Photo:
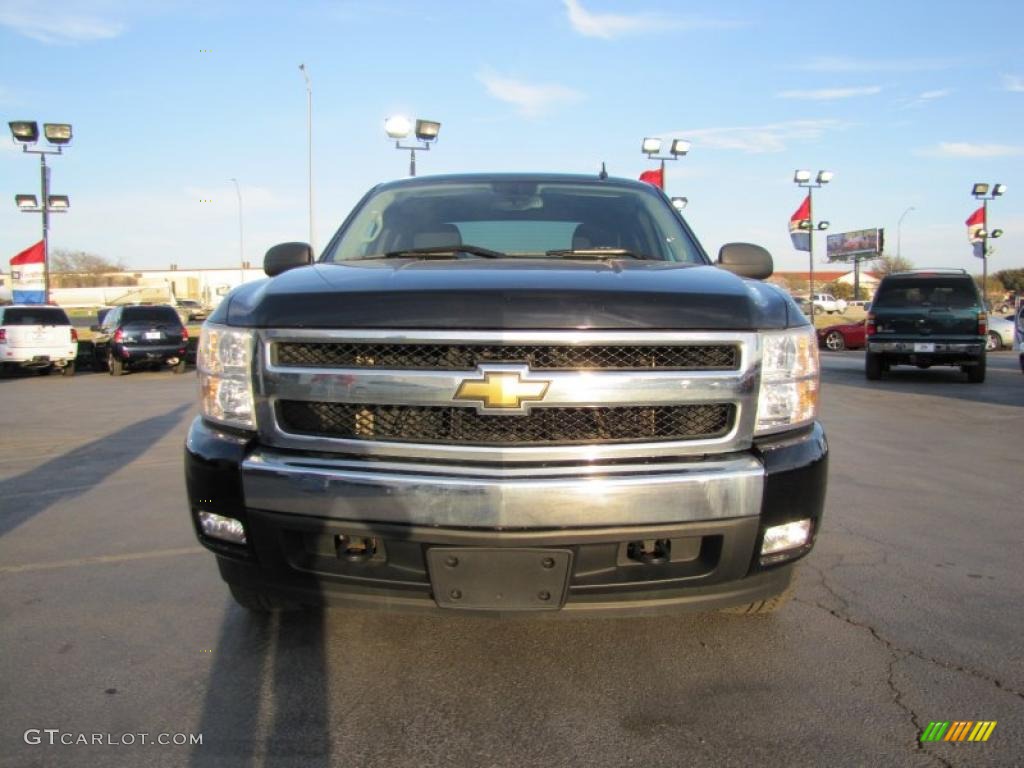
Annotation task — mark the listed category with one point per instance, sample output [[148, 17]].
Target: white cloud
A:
[[831, 94], [1014, 83], [966, 149], [850, 64], [57, 25], [530, 99], [926, 97], [611, 25], [759, 139]]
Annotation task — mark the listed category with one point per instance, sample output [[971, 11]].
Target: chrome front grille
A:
[[538, 357], [543, 426], [607, 395]]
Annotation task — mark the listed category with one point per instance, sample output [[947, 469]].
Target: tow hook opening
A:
[[650, 551], [355, 549]]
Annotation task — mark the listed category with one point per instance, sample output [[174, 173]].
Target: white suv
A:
[[828, 303], [37, 337]]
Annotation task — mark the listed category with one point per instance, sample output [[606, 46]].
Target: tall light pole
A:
[[651, 147], [399, 127], [981, 192], [241, 245], [26, 132], [899, 230], [803, 179], [309, 150]]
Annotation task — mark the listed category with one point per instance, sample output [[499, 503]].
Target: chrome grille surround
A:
[[568, 389]]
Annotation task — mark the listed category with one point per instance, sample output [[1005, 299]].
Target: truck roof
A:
[[468, 178]]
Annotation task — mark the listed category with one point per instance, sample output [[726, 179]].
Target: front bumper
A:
[[297, 508]]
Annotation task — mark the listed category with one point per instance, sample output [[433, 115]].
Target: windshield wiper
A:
[[444, 250], [598, 253]]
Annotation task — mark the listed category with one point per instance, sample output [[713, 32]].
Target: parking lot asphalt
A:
[[114, 621]]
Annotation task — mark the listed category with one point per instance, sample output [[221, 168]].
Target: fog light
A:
[[780, 538], [220, 527]]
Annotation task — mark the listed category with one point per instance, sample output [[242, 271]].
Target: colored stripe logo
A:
[[959, 730]]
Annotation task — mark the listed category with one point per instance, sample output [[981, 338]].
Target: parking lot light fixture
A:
[[651, 146], [57, 133], [802, 178], [398, 127], [981, 192], [25, 131], [680, 147], [679, 203], [427, 130]]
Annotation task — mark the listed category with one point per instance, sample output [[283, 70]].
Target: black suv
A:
[[926, 318], [140, 336]]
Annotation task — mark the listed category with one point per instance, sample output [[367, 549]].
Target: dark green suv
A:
[[926, 318]]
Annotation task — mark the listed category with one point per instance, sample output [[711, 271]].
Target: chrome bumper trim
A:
[[427, 495]]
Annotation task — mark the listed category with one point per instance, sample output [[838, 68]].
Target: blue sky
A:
[[908, 103]]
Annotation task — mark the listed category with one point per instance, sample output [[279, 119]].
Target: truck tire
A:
[[179, 367], [976, 373], [257, 601], [115, 366], [873, 366], [68, 370], [771, 605]]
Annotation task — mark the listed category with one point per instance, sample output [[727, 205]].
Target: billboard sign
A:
[[844, 246]]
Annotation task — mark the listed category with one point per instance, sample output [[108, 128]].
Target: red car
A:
[[839, 337]]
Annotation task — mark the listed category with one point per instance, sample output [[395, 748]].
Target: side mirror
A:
[[286, 256], [746, 260]]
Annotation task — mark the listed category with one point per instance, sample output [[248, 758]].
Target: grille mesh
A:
[[543, 426], [465, 357]]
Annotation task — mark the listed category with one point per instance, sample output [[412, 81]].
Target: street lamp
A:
[[981, 192], [899, 230], [652, 146], [803, 179], [399, 127], [309, 150], [26, 133]]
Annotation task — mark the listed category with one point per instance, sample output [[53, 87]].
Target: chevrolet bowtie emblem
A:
[[501, 390]]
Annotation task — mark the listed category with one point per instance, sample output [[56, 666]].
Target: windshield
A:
[[150, 315], [35, 316], [517, 220], [955, 293]]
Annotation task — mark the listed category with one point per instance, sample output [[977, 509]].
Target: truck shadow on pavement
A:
[[81, 469]]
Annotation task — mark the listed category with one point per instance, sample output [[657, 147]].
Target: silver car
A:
[[1000, 333]]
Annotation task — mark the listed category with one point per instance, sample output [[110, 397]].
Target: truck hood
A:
[[509, 294]]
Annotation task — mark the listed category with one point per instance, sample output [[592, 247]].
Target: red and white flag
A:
[[654, 177], [800, 226], [27, 275], [975, 224]]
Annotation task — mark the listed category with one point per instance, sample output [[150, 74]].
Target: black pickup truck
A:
[[503, 393]]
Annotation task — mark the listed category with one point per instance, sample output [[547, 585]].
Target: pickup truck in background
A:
[[509, 393]]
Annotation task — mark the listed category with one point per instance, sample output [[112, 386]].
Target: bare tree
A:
[[887, 265], [81, 269]]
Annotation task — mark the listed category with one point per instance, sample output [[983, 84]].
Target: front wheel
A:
[[835, 342], [993, 342], [976, 373], [873, 366]]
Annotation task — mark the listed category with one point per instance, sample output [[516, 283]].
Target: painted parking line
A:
[[101, 560]]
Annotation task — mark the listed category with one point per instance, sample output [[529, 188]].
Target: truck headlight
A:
[[225, 381], [789, 380]]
